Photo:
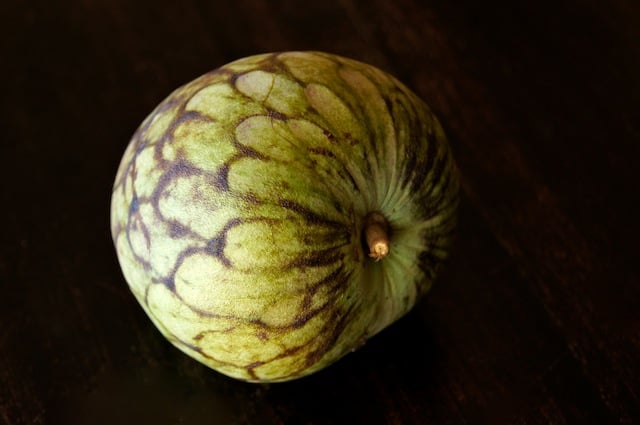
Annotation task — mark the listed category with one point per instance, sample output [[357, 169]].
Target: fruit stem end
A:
[[376, 234]]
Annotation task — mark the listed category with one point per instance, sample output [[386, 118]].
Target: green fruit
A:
[[252, 206]]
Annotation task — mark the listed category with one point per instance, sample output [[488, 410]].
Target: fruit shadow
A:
[[400, 363]]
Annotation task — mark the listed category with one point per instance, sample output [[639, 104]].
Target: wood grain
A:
[[535, 320]]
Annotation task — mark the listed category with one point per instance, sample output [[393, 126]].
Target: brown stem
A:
[[376, 234]]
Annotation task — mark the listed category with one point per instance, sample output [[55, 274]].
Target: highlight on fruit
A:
[[272, 215]]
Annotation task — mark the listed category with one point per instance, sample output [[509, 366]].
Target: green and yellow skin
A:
[[274, 214]]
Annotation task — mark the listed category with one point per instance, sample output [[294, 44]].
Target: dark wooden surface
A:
[[535, 321]]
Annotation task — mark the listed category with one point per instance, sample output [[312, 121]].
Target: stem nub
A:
[[376, 234]]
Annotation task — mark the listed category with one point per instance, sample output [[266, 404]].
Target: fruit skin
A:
[[238, 210]]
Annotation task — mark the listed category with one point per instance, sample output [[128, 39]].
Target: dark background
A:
[[536, 319]]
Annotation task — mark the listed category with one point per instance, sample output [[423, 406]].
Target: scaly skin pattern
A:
[[237, 211]]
